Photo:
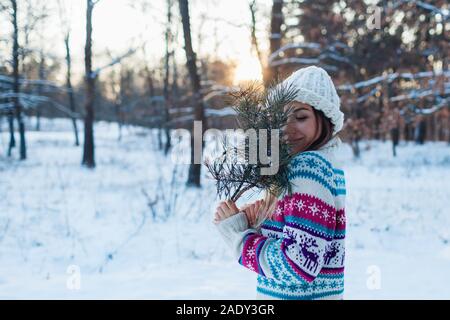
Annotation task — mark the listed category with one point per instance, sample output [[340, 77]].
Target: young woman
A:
[[296, 242]]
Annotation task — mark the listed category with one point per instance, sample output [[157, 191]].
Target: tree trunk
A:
[[42, 77], [420, 131], [69, 87], [88, 150], [395, 135], [276, 21], [252, 7], [195, 168], [355, 147], [16, 85], [153, 105], [167, 100], [12, 140]]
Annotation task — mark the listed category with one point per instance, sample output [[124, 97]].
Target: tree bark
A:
[[276, 21], [16, 85], [194, 169], [167, 100], [153, 105], [39, 89], [88, 150], [12, 140]]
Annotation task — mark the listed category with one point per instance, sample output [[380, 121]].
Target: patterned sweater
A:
[[298, 253]]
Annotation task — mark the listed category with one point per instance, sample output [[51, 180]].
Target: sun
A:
[[248, 69]]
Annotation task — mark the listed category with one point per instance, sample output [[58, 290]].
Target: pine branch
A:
[[260, 113]]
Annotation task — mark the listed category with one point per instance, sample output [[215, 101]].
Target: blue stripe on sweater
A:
[[306, 174], [339, 179], [273, 225], [296, 297], [318, 156], [278, 261]]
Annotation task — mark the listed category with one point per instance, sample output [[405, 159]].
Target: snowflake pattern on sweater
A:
[[300, 251]]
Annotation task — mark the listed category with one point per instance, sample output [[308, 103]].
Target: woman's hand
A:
[[224, 210], [251, 211]]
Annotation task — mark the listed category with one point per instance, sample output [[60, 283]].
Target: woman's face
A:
[[301, 128]]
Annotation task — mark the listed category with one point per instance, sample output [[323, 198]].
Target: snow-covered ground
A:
[[69, 232]]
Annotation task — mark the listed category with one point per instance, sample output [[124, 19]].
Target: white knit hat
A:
[[316, 88]]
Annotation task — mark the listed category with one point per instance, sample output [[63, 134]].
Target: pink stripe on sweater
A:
[[332, 270], [249, 258], [309, 207], [278, 214], [340, 219]]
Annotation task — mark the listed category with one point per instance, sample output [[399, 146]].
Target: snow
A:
[[56, 216], [391, 77]]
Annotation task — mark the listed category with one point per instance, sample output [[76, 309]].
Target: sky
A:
[[119, 25]]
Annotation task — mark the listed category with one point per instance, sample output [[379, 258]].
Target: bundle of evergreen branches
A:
[[257, 108]]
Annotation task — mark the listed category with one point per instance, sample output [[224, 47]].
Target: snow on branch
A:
[[367, 95], [32, 101], [413, 94], [6, 106], [117, 60], [303, 61], [65, 110], [6, 79], [427, 111], [325, 52], [308, 45], [6, 82], [445, 13], [417, 94], [392, 76], [438, 106], [226, 111], [218, 90]]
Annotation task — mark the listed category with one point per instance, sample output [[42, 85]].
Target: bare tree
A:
[[89, 148], [66, 33], [167, 98], [35, 14], [41, 73], [191, 59], [149, 75], [276, 22], [16, 85], [69, 85], [255, 45]]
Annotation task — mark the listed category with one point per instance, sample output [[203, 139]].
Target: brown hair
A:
[[326, 133], [270, 199]]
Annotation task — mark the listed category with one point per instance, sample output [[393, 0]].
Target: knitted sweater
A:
[[299, 252]]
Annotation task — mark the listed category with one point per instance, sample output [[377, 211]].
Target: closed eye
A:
[[301, 118]]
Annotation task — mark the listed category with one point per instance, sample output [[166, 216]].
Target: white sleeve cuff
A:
[[233, 230]]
